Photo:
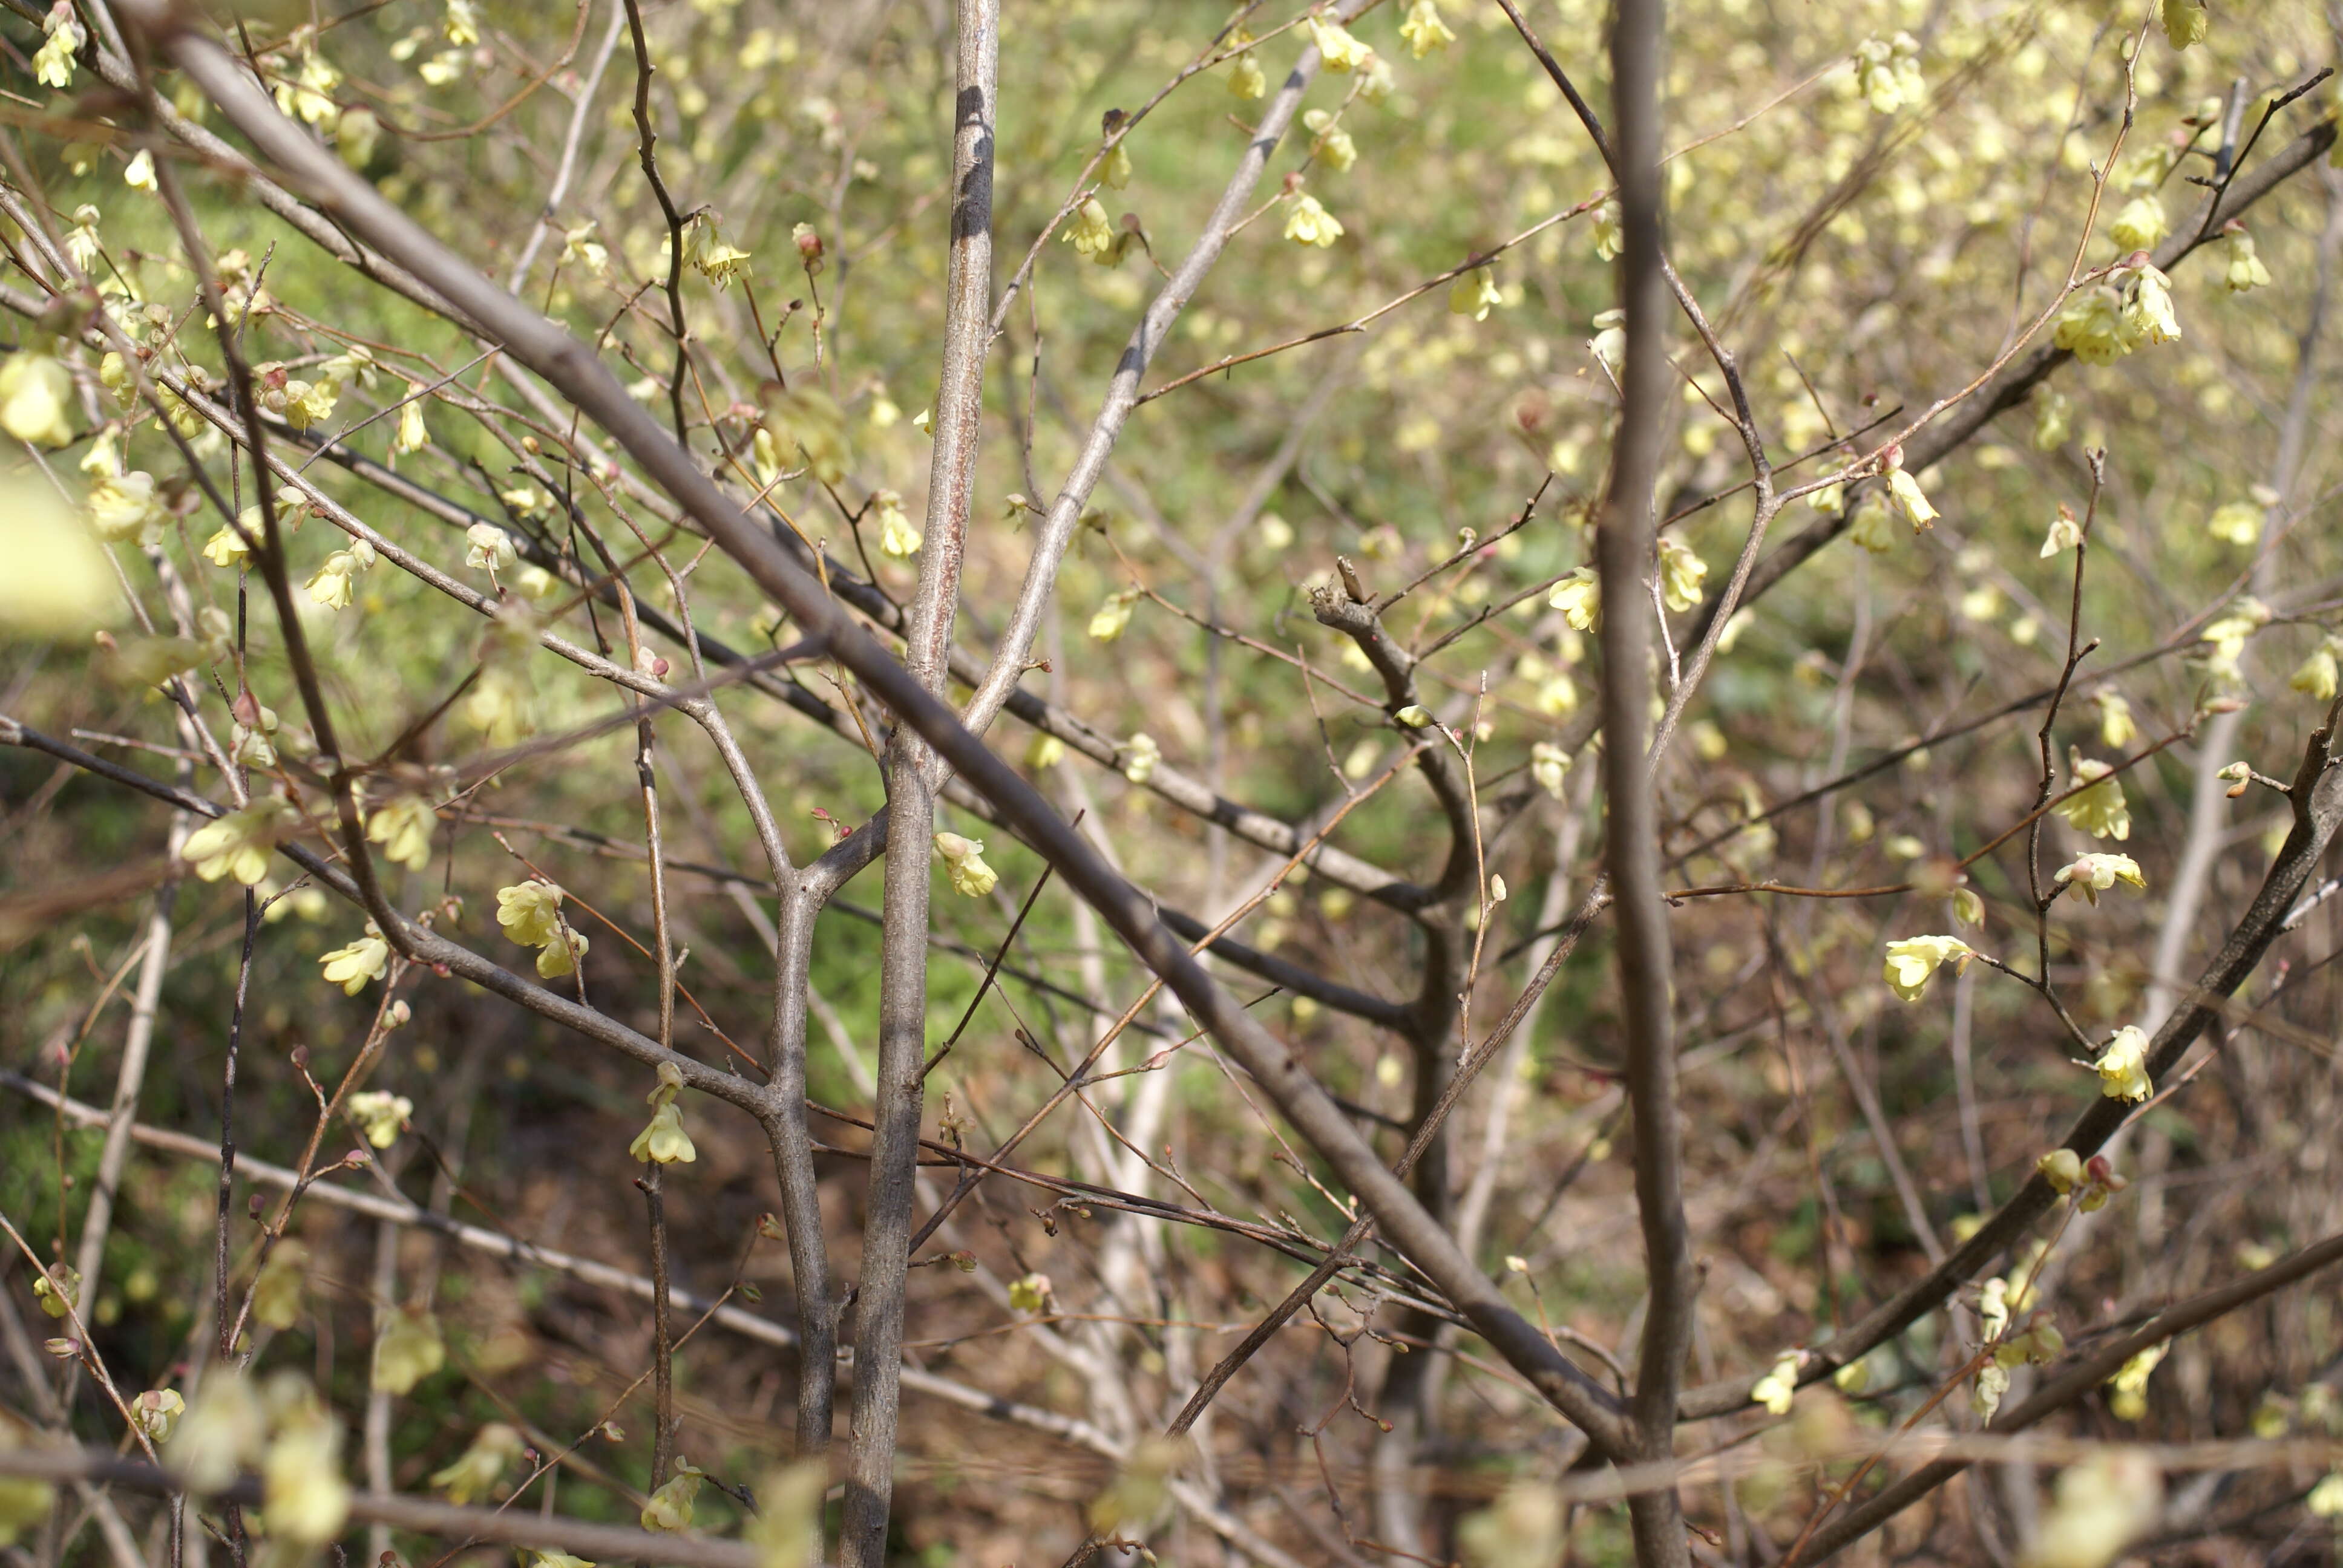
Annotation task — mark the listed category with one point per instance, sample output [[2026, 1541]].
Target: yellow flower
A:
[[2066, 532], [2236, 523], [2063, 1169], [476, 1470], [52, 63], [559, 956], [664, 1140], [1091, 232], [2091, 327], [2244, 269], [1114, 169], [1043, 751], [2148, 309], [2139, 224], [2318, 674], [307, 403], [491, 548], [530, 911], [227, 547], [408, 1351], [2116, 726], [1776, 1390], [2122, 1066], [1912, 961], [1028, 1295], [1610, 232], [2095, 874], [671, 1506], [1548, 764], [1869, 526], [2129, 1401], [237, 844], [35, 392], [2326, 1499], [413, 435], [404, 825], [303, 1495], [1609, 343], [139, 173], [1113, 615], [1476, 294], [2098, 808], [1341, 53], [122, 509], [364, 959], [1680, 575], [2185, 22], [1423, 29], [157, 1411], [380, 1115], [1143, 755], [720, 263], [1307, 222], [57, 1289], [964, 857], [333, 584], [1887, 73], [1246, 79], [898, 535], [224, 1431], [1579, 598], [1330, 145], [276, 1294], [1415, 715], [2052, 422], [1904, 491]]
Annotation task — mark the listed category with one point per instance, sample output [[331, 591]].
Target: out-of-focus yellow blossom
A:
[[52, 63], [2236, 523], [2122, 1065], [2063, 1169], [364, 959], [1476, 294], [1871, 526], [1340, 52], [2141, 225], [276, 1294], [1113, 616], [2225, 636], [2129, 1401], [2097, 807], [224, 1431], [403, 825], [1887, 73], [2116, 725], [2093, 874], [56, 1290], [1330, 144], [1778, 1387], [2102, 1505], [122, 509], [1308, 222], [2053, 420], [2185, 22], [1610, 232], [35, 395], [2242, 269], [898, 535], [1913, 961], [2091, 326], [1141, 754], [808, 431], [407, 1350], [237, 844], [1423, 29], [1247, 80], [380, 1115], [1609, 343], [476, 1470], [1682, 573], [1548, 765], [303, 1495], [964, 858], [1579, 598], [1091, 232]]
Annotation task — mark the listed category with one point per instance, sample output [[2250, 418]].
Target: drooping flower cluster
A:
[[2122, 1065], [664, 1141], [1913, 961], [2093, 874], [964, 858], [531, 913]]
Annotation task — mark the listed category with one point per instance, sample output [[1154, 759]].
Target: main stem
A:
[[911, 808]]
